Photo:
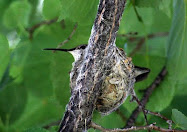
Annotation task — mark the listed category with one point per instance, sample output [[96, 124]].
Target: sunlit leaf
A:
[[82, 11], [176, 47], [179, 118], [55, 5], [36, 12], [17, 14], [166, 7]]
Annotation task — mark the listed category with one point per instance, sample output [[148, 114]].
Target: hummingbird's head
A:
[[76, 52]]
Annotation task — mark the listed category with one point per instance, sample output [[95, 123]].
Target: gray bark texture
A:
[[98, 61]]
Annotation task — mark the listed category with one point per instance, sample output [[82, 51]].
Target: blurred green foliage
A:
[[34, 84]]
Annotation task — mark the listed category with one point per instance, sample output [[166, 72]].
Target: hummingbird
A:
[[114, 89], [77, 53]]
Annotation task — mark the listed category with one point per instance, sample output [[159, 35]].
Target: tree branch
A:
[[69, 37], [141, 40], [162, 117], [32, 29], [145, 98], [134, 128], [95, 64]]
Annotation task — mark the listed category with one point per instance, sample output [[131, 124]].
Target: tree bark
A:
[[94, 67]]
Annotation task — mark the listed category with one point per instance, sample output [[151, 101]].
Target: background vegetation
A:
[[34, 84]]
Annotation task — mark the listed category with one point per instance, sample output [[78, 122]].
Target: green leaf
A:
[[17, 14], [150, 17], [38, 113], [130, 22], [55, 5], [36, 13], [110, 121], [4, 54], [179, 118], [18, 59], [53, 128], [162, 96], [178, 103], [176, 46], [36, 69], [3, 5], [36, 129], [147, 3], [60, 68], [160, 26], [166, 7], [13, 98], [82, 11], [181, 89]]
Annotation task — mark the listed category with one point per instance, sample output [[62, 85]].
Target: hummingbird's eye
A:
[[82, 46]]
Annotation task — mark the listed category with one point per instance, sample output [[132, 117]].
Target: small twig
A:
[[161, 116], [130, 36], [141, 40], [33, 28], [138, 46], [134, 128], [146, 96], [141, 107], [69, 37]]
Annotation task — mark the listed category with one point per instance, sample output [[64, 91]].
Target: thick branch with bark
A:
[[93, 67]]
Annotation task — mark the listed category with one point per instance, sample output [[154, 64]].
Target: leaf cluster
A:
[[34, 84]]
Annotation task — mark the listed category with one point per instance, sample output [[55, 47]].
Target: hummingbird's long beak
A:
[[76, 53], [65, 50]]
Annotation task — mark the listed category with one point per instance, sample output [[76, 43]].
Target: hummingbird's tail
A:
[[141, 73]]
